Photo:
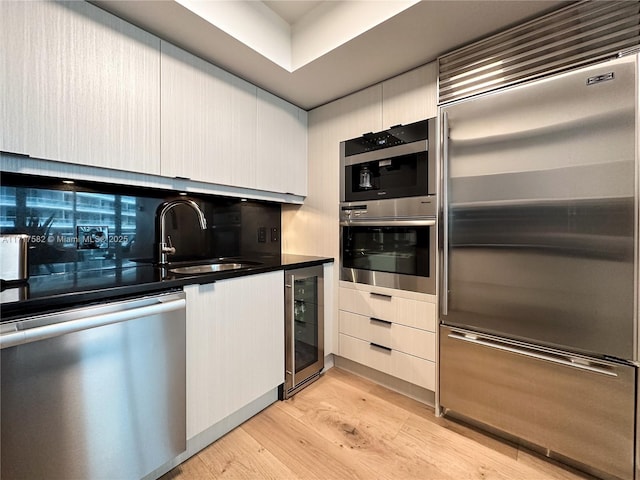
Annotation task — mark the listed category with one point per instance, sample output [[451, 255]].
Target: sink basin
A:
[[208, 268]]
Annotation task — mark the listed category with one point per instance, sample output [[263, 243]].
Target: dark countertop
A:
[[63, 290]]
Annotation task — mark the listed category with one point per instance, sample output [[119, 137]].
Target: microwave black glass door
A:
[[305, 322], [400, 250], [402, 176]]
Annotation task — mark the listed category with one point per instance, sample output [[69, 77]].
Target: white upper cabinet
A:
[[79, 85], [220, 129], [358, 113], [281, 146], [410, 97], [208, 121]]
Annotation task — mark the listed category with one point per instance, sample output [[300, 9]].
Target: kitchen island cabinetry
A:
[[235, 346], [79, 85], [208, 121], [391, 331]]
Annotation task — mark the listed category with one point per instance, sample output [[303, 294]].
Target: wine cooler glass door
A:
[[304, 328]]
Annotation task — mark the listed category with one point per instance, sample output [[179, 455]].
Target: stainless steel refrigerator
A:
[[539, 277]]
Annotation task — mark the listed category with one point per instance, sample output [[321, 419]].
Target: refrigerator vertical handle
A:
[[445, 215]]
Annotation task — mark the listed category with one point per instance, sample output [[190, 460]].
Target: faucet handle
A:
[[169, 249]]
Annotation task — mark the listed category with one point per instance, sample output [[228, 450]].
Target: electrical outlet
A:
[[262, 234], [275, 235]]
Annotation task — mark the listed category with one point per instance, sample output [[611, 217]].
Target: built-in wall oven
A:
[[388, 208], [390, 243]]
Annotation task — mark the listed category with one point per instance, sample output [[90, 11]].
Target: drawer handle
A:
[[382, 347], [386, 322], [566, 361], [382, 295]]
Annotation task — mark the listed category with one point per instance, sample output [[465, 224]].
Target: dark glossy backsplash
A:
[[87, 225]]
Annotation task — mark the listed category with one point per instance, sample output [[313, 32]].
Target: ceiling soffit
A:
[[325, 71], [325, 27]]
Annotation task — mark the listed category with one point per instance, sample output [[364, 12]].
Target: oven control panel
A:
[[398, 208]]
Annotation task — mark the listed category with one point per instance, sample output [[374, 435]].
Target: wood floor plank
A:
[[346, 427], [550, 468], [306, 453], [191, 469], [483, 438], [335, 407], [425, 411], [463, 457], [351, 379], [239, 456], [402, 401]]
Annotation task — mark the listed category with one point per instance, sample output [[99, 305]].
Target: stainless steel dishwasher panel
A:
[[580, 408], [94, 392]]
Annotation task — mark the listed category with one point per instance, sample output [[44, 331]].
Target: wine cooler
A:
[[304, 328]]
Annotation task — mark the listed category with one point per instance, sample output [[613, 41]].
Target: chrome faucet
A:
[[165, 248]]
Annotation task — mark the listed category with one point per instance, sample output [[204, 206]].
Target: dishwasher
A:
[[94, 392]]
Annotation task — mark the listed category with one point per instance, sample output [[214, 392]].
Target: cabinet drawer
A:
[[412, 313], [397, 364], [413, 341]]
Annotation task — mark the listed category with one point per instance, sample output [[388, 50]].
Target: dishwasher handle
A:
[[36, 334]]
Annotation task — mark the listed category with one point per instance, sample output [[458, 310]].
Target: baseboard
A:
[[392, 383]]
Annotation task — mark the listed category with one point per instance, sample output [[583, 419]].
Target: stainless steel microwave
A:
[[394, 163]]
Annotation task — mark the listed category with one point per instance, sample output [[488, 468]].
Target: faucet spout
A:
[[165, 248]]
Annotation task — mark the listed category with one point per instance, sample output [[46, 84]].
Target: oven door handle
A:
[[431, 222]]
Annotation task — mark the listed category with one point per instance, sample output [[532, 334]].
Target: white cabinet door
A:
[[208, 121], [410, 97], [235, 345], [79, 85], [358, 113], [281, 146]]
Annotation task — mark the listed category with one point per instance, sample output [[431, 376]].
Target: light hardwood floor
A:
[[346, 427]]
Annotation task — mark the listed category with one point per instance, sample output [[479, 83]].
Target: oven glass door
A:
[[395, 256]]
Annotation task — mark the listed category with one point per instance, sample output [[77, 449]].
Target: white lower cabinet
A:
[[235, 345], [412, 369], [389, 330]]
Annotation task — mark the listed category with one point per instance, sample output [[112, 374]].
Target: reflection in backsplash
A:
[[87, 225]]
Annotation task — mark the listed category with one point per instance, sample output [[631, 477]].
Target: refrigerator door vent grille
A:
[[581, 33]]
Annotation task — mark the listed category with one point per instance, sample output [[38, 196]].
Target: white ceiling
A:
[[313, 52], [292, 10]]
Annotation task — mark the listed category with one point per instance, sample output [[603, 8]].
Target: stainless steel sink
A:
[[209, 268]]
